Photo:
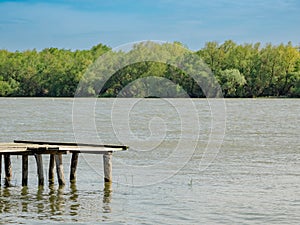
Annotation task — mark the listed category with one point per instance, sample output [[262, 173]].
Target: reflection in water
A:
[[52, 198], [56, 200], [53, 202], [60, 200], [5, 203], [39, 198], [107, 196], [254, 179], [74, 206], [25, 199]]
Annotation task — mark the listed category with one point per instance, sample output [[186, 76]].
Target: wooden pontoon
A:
[[55, 150]]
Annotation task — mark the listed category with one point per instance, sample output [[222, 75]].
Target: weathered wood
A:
[[51, 169], [8, 170], [107, 164], [60, 169], [29, 149], [35, 147], [70, 144], [0, 168], [24, 170], [55, 149], [74, 162], [40, 170]]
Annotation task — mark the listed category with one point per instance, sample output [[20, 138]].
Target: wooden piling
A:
[[74, 162], [24, 170], [0, 168], [60, 169], [8, 170], [51, 169], [39, 163], [107, 164]]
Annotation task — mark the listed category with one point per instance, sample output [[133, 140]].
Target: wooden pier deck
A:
[[55, 150]]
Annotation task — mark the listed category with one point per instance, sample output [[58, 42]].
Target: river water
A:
[[235, 161]]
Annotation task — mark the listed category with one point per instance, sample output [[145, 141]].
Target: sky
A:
[[81, 24]]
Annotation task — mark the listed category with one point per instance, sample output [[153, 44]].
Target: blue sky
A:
[[80, 24]]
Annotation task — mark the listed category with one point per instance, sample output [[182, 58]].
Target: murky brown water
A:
[[254, 178]]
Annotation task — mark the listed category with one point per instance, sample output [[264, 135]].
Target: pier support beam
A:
[[24, 170], [74, 162], [8, 170], [107, 164], [39, 163], [60, 169], [51, 169]]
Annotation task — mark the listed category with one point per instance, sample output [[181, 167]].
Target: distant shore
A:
[[241, 71]]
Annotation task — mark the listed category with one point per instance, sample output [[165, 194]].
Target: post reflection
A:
[[25, 199], [53, 201], [56, 199], [74, 205], [39, 198], [5, 203], [52, 197], [107, 196]]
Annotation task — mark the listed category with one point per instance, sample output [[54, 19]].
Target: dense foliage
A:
[[248, 70]]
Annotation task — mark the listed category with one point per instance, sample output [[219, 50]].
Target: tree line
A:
[[241, 70]]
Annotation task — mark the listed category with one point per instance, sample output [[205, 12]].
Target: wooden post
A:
[[24, 170], [51, 169], [107, 164], [8, 170], [74, 162], [60, 169], [0, 168], [39, 163]]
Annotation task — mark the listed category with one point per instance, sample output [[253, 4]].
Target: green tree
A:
[[246, 70], [232, 80]]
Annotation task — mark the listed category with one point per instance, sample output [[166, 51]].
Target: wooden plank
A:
[[24, 170], [40, 170], [74, 162], [32, 152], [19, 149], [51, 169], [8, 170], [30, 148], [48, 151], [12, 144], [11, 148], [70, 144], [60, 169], [42, 148], [91, 150]]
